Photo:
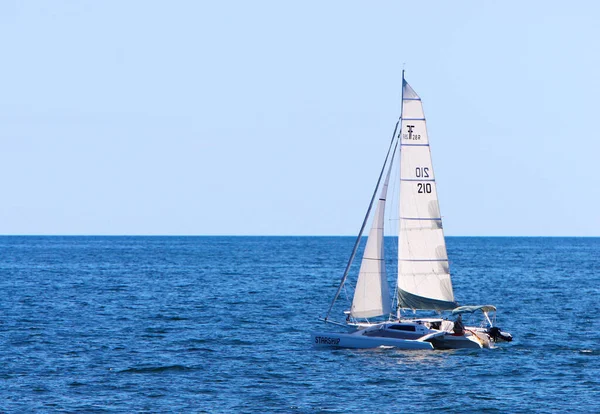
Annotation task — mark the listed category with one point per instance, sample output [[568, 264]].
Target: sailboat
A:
[[423, 282]]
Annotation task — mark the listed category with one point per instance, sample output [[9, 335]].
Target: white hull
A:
[[404, 335], [357, 340]]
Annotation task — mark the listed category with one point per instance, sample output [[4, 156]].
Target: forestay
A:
[[423, 272]]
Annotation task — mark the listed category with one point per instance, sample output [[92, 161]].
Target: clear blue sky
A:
[[273, 118]]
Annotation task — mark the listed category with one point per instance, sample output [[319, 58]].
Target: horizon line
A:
[[270, 235]]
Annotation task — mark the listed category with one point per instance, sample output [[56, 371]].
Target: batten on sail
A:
[[423, 273], [372, 293]]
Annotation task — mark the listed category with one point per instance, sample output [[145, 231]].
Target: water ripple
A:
[[221, 324]]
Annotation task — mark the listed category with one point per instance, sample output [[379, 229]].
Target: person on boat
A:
[[459, 327]]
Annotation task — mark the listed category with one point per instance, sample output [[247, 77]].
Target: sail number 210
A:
[[423, 188], [422, 172]]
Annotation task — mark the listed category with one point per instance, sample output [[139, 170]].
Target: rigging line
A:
[[362, 228], [346, 293]]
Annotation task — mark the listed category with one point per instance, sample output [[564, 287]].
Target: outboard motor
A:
[[497, 335]]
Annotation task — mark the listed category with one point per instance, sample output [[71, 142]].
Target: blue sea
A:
[[222, 324]]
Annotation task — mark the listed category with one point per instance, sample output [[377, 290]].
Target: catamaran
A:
[[423, 281]]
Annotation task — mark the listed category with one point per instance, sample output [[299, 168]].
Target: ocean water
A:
[[221, 324]]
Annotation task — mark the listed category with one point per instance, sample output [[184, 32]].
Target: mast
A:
[[364, 223], [399, 142]]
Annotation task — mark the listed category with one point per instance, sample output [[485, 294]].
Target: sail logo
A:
[[411, 136]]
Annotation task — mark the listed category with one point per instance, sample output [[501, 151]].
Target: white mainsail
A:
[[423, 271], [372, 294]]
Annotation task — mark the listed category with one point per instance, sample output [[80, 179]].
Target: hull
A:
[[359, 341], [404, 335], [449, 341]]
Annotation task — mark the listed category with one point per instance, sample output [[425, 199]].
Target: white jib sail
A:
[[372, 293], [423, 272]]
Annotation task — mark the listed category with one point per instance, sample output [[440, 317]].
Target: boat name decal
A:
[[326, 340]]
